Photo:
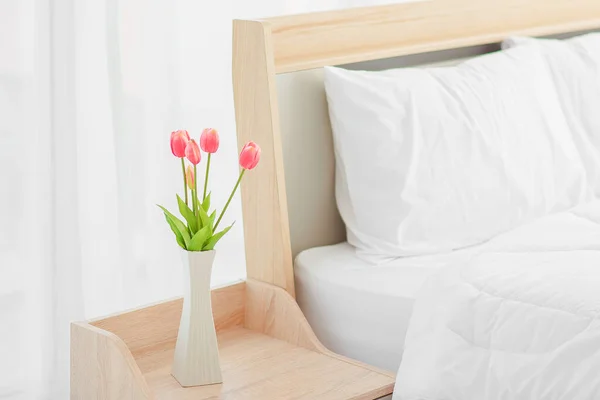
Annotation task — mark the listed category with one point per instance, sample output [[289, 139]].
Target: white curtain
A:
[[89, 92]]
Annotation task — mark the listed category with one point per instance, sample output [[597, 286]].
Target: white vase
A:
[[196, 360]]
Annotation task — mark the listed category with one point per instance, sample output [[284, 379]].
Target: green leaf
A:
[[188, 214], [178, 235], [204, 218], [212, 218], [197, 214], [179, 225], [210, 244], [199, 238], [206, 203]]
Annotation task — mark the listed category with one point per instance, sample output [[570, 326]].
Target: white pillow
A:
[[575, 68], [431, 160]]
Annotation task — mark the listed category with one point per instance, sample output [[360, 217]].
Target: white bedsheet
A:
[[520, 321], [358, 309]]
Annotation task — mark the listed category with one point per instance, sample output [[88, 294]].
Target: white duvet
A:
[[520, 320]]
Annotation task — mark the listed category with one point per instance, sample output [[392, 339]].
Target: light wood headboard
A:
[[263, 49]]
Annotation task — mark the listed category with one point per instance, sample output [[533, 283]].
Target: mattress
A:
[[361, 310]]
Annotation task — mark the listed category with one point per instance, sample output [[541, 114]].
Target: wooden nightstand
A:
[[267, 351]]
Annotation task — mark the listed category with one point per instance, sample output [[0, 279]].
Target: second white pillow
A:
[[431, 160], [575, 68]]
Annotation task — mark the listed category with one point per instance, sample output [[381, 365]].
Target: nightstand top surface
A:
[[256, 366]]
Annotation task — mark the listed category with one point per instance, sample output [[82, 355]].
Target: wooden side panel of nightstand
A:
[[267, 351], [103, 368], [272, 311]]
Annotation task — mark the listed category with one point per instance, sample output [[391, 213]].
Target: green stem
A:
[[197, 211], [206, 178], [195, 192], [184, 181], [193, 202], [230, 197]]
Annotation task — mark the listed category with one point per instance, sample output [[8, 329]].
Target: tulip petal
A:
[[250, 155], [179, 140], [209, 140], [190, 179], [192, 152]]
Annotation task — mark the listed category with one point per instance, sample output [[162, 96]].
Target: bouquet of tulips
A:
[[199, 231]]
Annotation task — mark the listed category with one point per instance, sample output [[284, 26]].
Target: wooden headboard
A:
[[266, 51]]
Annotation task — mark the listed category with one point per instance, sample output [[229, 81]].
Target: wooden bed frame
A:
[[265, 50]]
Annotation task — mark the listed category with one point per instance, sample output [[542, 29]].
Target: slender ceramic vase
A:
[[196, 352]]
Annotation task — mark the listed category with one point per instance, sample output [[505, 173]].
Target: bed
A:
[[357, 307], [360, 310]]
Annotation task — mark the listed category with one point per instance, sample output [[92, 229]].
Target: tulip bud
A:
[[189, 177], [250, 155], [192, 152], [179, 141], [209, 140]]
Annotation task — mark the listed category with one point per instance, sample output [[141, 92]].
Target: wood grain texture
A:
[[264, 203], [272, 311], [103, 368], [276, 314], [139, 330], [340, 37], [255, 366], [258, 367]]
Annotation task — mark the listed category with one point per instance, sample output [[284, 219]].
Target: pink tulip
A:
[[250, 155], [179, 141], [189, 177], [192, 152], [209, 140]]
